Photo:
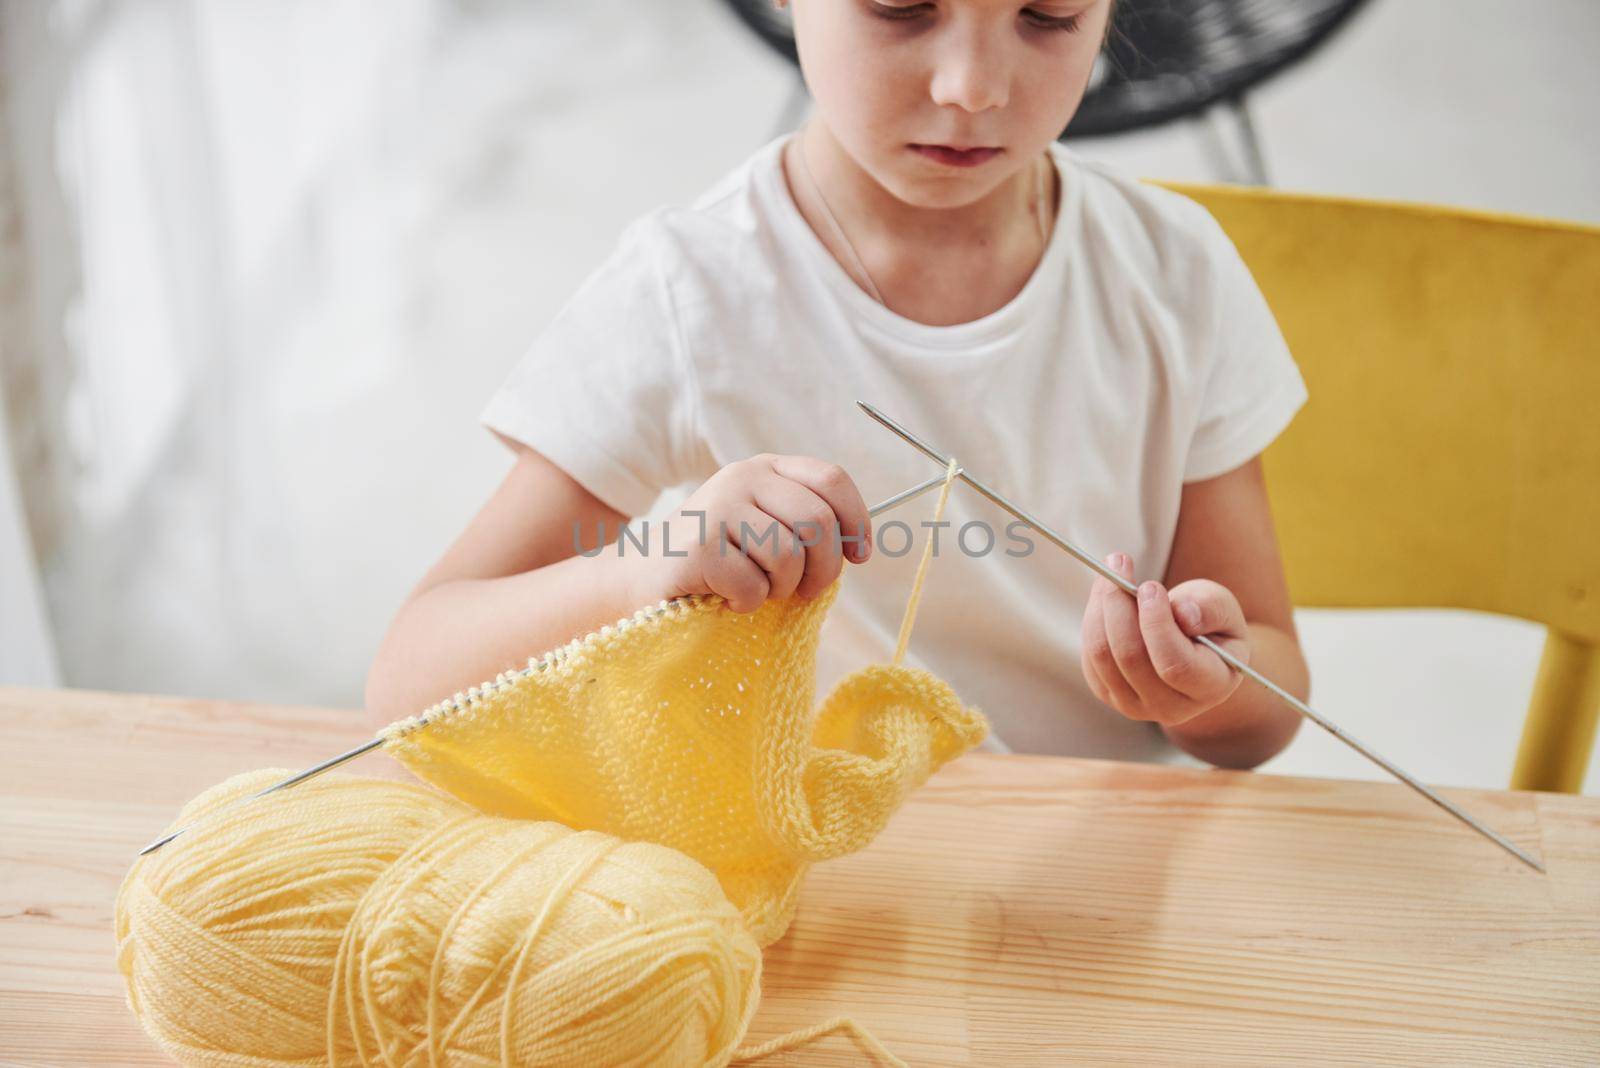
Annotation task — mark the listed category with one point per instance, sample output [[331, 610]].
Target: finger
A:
[[1091, 678], [830, 482], [737, 579], [1192, 671], [1118, 693], [1203, 607], [1098, 653], [1107, 683], [1127, 641], [740, 573], [1092, 643], [1215, 610], [812, 528], [1092, 636], [768, 540]]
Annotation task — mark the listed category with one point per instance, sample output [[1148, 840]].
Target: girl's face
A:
[[894, 80]]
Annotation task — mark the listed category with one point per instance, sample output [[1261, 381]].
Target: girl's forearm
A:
[[464, 632], [1253, 725]]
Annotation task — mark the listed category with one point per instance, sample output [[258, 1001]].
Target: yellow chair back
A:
[[1449, 455]]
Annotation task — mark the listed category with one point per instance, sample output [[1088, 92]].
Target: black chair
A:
[[1164, 60]]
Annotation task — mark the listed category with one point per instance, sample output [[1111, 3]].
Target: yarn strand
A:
[[922, 567], [805, 1035]]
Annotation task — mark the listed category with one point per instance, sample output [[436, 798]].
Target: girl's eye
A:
[[1066, 23], [896, 14]]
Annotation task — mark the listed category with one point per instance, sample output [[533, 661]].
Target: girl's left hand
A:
[[1141, 659]]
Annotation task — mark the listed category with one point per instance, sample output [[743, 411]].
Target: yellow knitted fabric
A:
[[693, 726]]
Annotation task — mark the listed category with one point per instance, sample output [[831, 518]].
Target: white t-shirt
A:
[[1139, 355]]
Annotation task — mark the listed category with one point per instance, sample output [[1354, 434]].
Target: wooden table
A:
[[1019, 911]]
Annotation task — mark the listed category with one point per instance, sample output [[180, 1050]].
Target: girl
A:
[[1088, 344]]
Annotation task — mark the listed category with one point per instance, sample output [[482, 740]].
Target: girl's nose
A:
[[970, 74]]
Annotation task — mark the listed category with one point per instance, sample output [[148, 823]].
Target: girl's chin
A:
[[938, 192]]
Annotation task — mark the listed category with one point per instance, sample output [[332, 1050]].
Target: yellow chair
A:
[[1449, 455]]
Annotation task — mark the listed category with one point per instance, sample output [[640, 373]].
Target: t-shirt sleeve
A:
[[1253, 387], [607, 391]]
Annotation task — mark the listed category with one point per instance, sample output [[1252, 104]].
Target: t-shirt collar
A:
[[1002, 323]]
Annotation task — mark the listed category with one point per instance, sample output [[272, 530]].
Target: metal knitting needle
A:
[[905, 495], [1227, 657], [332, 762]]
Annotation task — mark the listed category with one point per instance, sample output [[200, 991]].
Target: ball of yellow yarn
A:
[[365, 922]]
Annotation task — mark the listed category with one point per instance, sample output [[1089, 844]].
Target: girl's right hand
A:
[[799, 514]]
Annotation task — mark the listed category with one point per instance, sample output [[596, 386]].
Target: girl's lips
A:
[[954, 157]]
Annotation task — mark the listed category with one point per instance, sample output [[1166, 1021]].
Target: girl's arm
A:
[[1225, 536], [1226, 581], [511, 585]]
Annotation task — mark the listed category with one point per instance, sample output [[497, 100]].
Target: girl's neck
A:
[[938, 266]]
